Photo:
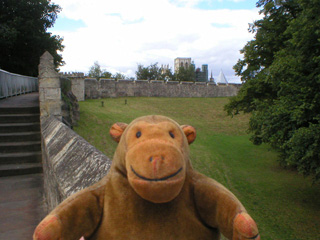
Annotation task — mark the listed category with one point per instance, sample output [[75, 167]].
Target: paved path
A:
[[25, 100], [21, 198], [21, 206]]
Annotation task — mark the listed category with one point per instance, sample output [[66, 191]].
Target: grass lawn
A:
[[284, 204]]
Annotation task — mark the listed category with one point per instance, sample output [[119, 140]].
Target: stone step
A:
[[16, 147], [19, 169], [20, 136], [19, 127], [19, 110], [23, 157], [20, 118]]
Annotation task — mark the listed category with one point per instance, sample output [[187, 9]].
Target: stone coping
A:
[[190, 83], [141, 81], [172, 82], [156, 81]]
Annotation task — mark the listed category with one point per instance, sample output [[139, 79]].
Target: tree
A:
[[166, 74], [96, 72], [24, 36], [186, 74], [152, 72], [281, 82], [118, 76], [106, 74]]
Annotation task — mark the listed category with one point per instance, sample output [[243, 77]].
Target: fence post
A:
[[49, 88]]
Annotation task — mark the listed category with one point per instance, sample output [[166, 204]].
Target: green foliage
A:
[[65, 89], [24, 37], [142, 73], [153, 72], [65, 85], [106, 74], [118, 76], [281, 75], [303, 150], [98, 73], [186, 74]]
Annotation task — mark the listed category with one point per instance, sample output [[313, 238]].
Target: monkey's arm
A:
[[219, 208], [78, 215]]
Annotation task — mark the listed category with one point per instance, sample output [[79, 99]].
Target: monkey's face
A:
[[155, 158]]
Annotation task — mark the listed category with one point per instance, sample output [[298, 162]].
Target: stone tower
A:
[[181, 62]]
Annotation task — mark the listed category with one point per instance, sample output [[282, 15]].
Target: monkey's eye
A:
[[138, 134], [171, 134]]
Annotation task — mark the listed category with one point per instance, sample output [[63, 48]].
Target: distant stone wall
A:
[[69, 162], [105, 88], [77, 87]]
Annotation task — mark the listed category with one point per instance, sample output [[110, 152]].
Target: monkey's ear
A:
[[190, 133], [116, 130]]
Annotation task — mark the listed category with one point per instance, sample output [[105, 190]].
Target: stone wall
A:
[[69, 162], [122, 88]]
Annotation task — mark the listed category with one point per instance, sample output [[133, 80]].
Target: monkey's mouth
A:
[[155, 179]]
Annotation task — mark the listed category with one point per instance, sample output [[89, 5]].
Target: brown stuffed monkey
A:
[[150, 192]]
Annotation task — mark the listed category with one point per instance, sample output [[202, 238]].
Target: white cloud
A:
[[119, 34]]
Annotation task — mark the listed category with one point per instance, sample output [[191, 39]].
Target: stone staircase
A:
[[20, 145]]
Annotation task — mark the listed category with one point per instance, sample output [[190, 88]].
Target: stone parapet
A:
[[70, 163]]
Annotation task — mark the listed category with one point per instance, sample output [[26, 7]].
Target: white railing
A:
[[14, 84]]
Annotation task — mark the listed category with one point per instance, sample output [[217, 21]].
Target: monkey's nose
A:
[[157, 158]]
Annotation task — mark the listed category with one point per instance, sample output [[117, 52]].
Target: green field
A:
[[284, 204]]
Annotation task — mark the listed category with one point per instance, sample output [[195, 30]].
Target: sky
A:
[[120, 34]]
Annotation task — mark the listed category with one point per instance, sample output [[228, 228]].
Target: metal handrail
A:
[[12, 84]]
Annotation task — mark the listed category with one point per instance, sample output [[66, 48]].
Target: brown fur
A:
[[150, 192]]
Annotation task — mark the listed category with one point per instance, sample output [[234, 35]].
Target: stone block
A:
[[50, 108], [49, 94], [49, 82], [47, 72]]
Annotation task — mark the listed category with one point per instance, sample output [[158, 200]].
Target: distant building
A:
[[202, 75], [211, 78], [221, 80], [164, 69], [181, 62]]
